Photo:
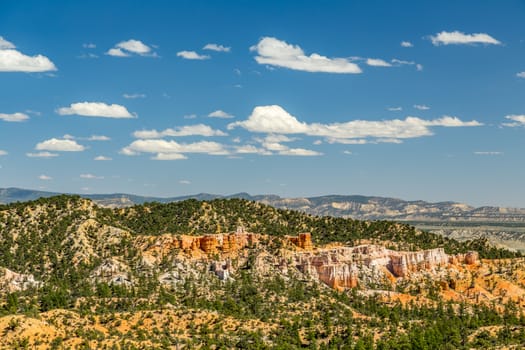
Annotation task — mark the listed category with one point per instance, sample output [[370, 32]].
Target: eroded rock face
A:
[[343, 267], [402, 263], [112, 271], [15, 282], [154, 248], [471, 258], [339, 267], [303, 241]]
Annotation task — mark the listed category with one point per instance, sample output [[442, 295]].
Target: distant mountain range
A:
[[354, 206]]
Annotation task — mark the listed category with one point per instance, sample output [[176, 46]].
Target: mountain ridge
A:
[[353, 206]]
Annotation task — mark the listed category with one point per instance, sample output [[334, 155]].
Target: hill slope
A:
[[75, 275]]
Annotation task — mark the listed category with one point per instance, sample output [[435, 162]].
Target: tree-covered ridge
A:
[[63, 241], [225, 215]]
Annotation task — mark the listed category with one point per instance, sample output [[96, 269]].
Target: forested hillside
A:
[[232, 273]]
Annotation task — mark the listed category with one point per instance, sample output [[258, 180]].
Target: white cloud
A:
[[271, 119], [99, 138], [60, 145], [96, 109], [520, 75], [220, 114], [42, 155], [169, 156], [377, 62], [407, 44], [402, 62], [192, 55], [12, 60], [299, 152], [190, 116], [91, 177], [275, 52], [460, 38], [3, 153], [273, 143], [488, 153], [394, 109], [117, 53], [347, 152], [14, 117], [89, 46], [45, 177], [170, 150], [134, 96], [216, 47], [251, 149], [275, 120], [517, 120], [68, 137], [185, 182], [419, 67], [188, 130], [102, 158], [6, 45], [130, 47], [422, 107]]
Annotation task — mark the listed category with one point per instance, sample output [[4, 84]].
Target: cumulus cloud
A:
[[377, 62], [102, 158], [14, 117], [220, 114], [45, 177], [251, 149], [217, 47], [12, 60], [520, 75], [171, 150], [188, 130], [275, 120], [96, 109], [406, 44], [169, 156], [271, 119], [422, 107], [192, 55], [42, 155], [6, 45], [460, 38], [3, 153], [275, 52], [91, 177], [516, 120], [59, 145], [129, 48], [273, 144]]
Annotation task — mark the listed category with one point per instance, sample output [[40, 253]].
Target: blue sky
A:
[[412, 99]]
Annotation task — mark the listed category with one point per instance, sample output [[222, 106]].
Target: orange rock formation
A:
[[303, 241]]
